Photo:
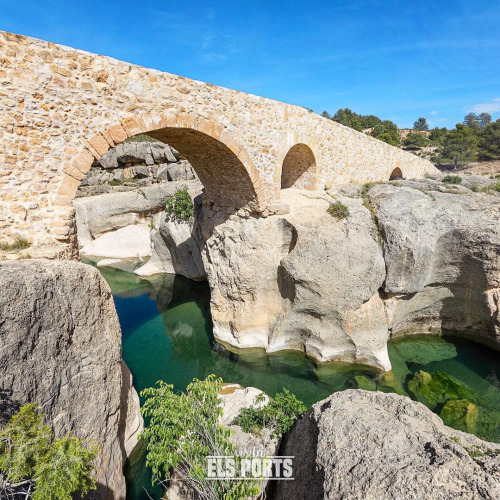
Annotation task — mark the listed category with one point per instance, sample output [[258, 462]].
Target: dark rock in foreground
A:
[[370, 445]]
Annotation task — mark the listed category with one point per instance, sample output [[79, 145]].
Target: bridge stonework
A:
[[61, 108]]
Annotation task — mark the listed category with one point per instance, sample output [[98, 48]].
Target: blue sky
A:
[[396, 59]]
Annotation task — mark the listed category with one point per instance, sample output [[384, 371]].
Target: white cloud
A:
[[486, 107], [434, 113]]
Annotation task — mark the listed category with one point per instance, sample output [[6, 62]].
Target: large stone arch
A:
[[297, 166], [222, 164]]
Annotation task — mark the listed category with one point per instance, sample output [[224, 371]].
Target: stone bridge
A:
[[61, 108]]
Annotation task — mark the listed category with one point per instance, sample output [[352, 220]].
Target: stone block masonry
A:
[[61, 108]]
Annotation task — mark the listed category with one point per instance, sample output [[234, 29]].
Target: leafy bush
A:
[[31, 459], [180, 205], [183, 430], [19, 244], [452, 179], [338, 210], [279, 414]]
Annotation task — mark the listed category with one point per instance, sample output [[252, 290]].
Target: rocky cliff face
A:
[[411, 257], [357, 444], [61, 346]]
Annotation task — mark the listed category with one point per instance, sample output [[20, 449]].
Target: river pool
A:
[[167, 335]]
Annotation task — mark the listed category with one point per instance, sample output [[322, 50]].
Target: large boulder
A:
[[303, 281], [442, 254], [124, 248], [61, 347], [358, 444]]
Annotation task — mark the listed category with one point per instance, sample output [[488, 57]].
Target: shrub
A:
[[30, 459], [184, 429], [279, 414], [19, 244], [452, 179], [180, 205], [338, 210]]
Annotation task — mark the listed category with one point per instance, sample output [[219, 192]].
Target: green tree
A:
[[421, 124], [438, 135], [370, 121], [471, 120], [489, 141], [30, 459], [387, 131], [325, 114], [348, 118], [484, 119], [460, 146], [184, 429], [414, 140]]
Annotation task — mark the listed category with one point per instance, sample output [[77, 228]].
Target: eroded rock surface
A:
[[442, 254], [358, 444], [61, 347]]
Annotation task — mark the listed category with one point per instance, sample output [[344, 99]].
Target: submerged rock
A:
[[61, 347], [433, 390], [460, 414], [357, 444]]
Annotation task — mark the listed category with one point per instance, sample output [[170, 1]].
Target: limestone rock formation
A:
[[410, 257], [61, 347], [358, 444], [123, 248], [175, 251], [442, 254], [136, 163], [302, 281], [96, 215]]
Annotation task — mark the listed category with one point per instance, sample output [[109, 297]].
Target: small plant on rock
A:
[[338, 210], [279, 414], [19, 244], [452, 179], [180, 205]]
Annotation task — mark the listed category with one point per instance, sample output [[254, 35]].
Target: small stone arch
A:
[[224, 167], [299, 168], [396, 174]]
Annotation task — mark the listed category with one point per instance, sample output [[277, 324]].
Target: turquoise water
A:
[[167, 335]]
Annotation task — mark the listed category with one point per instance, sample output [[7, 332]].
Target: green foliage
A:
[[484, 119], [452, 179], [414, 140], [183, 430], [421, 124], [489, 141], [325, 114], [438, 135], [23, 443], [58, 468], [387, 131], [279, 414], [19, 244], [180, 205], [348, 118], [338, 210], [459, 146], [140, 138], [369, 121], [471, 120], [66, 468]]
